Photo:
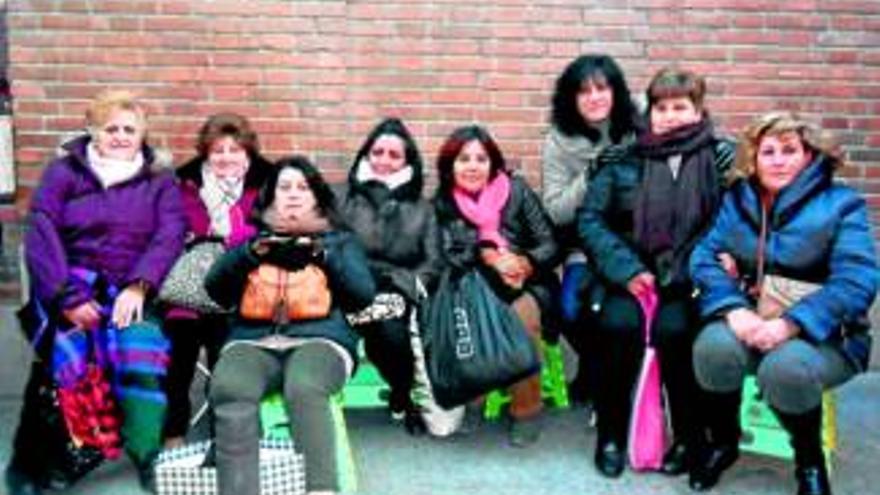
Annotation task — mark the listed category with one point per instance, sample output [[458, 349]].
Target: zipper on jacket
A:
[[762, 246]]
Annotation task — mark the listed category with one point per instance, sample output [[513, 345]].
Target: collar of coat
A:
[[816, 177], [153, 162]]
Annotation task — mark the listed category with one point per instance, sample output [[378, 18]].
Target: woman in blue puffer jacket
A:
[[786, 219]]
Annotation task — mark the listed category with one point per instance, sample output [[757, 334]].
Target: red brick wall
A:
[[315, 75]]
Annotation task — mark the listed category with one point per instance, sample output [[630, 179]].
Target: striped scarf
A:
[[87, 366]]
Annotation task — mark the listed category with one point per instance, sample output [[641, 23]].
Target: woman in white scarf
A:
[[384, 207]]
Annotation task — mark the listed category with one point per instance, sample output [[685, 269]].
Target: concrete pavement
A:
[[393, 463]]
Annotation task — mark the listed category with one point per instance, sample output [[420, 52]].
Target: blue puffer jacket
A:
[[818, 231]]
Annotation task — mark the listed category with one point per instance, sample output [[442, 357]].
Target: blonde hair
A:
[[106, 102], [812, 136]]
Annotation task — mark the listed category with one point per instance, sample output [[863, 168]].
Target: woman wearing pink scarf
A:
[[495, 223]]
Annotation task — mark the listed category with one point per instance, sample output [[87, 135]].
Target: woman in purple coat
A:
[[105, 226]]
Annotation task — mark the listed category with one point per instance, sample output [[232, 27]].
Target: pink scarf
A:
[[485, 211]]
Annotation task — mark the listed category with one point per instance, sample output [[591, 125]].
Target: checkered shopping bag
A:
[[183, 470]]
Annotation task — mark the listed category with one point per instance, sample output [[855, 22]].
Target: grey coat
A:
[[568, 162]]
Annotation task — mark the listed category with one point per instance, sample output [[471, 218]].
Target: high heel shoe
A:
[[706, 472]]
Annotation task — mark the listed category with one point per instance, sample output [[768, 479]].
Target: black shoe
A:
[[19, 483], [473, 419], [609, 459], [707, 471], [675, 461], [147, 476], [525, 432], [812, 480], [397, 405], [413, 421]]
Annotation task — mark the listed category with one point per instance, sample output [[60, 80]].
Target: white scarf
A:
[[392, 181], [219, 194], [111, 171]]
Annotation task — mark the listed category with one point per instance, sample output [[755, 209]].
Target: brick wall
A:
[[315, 75]]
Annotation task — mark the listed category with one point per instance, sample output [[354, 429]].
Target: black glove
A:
[[293, 254]]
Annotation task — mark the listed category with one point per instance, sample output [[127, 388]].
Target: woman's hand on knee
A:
[[744, 323], [772, 333], [129, 306]]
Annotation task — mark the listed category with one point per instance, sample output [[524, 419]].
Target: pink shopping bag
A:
[[647, 428]]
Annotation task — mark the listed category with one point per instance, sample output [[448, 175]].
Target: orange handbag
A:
[[279, 295]]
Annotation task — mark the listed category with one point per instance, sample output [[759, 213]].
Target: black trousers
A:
[[620, 349], [187, 337], [388, 347], [583, 335]]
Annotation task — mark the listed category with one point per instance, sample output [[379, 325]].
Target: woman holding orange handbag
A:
[[289, 287], [786, 276]]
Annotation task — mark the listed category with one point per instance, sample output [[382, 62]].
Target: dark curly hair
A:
[[565, 115]]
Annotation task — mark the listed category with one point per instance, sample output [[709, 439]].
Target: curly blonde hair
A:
[[106, 102], [812, 136]]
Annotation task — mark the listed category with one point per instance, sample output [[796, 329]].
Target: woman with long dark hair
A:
[[592, 109]]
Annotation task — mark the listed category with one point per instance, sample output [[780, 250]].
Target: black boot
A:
[[805, 431], [722, 446], [610, 456], [20, 483], [413, 421], [676, 460]]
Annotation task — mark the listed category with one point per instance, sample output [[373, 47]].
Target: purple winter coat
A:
[[128, 232]]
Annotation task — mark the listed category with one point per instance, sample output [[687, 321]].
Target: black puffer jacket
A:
[[606, 218], [398, 229], [526, 226]]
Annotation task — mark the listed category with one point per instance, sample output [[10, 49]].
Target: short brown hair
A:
[[227, 124], [106, 102], [812, 136], [676, 83]]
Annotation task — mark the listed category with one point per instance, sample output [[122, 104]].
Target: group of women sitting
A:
[[632, 205]]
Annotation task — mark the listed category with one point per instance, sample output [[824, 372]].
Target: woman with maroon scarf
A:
[[646, 208], [496, 223], [219, 186]]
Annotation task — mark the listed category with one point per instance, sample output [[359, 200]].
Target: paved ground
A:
[[392, 463]]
